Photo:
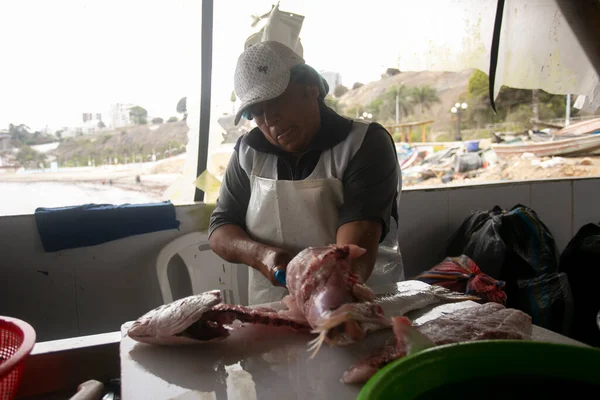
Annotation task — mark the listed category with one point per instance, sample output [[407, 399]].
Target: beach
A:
[[23, 192]]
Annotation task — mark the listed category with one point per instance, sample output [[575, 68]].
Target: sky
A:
[[62, 58]]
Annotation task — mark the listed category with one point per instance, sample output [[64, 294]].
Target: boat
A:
[[410, 160], [574, 146], [590, 126]]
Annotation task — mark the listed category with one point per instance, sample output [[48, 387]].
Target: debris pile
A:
[[565, 152], [516, 168]]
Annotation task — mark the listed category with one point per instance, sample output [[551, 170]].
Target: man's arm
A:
[[234, 245], [370, 194], [227, 229]]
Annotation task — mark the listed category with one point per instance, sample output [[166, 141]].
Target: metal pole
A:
[[205, 96], [397, 107], [458, 138], [568, 111]]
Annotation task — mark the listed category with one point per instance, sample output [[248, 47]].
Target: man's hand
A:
[[365, 234], [234, 245], [274, 259]]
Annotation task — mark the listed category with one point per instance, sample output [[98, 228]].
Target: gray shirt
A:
[[370, 181]]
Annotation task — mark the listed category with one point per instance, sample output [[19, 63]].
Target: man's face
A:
[[291, 120]]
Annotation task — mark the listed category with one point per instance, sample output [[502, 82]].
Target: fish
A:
[[484, 322], [203, 318], [335, 302], [413, 295], [325, 298]]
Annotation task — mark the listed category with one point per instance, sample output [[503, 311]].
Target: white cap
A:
[[263, 73]]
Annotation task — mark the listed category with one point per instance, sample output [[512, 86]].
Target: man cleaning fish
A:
[[304, 177]]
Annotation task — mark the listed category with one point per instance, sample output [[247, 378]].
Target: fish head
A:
[[172, 319]]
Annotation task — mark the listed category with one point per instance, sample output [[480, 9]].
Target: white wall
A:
[[431, 216], [96, 289]]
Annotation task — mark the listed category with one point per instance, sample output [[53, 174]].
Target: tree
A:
[[331, 102], [138, 115], [101, 125], [182, 107], [405, 101], [357, 85], [19, 133], [515, 105], [425, 96], [478, 84], [352, 111], [340, 90], [157, 120], [29, 158], [172, 119]]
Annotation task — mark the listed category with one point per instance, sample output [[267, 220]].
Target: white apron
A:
[[294, 215]]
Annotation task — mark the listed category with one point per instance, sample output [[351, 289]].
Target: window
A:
[[79, 126], [423, 75], [93, 98]]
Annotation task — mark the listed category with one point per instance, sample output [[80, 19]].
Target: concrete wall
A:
[[95, 289]]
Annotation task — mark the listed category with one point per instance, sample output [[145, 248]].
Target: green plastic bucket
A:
[[490, 369]]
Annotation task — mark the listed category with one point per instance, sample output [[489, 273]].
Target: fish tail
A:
[[445, 294], [409, 339], [315, 344]]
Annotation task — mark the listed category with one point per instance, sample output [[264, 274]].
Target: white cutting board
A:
[[273, 364]]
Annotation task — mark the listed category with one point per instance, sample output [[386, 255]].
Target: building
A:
[[65, 132], [119, 115], [333, 79], [90, 124]]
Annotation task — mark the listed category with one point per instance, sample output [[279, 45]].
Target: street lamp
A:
[[458, 110]]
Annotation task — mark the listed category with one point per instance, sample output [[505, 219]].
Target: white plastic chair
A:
[[206, 269]]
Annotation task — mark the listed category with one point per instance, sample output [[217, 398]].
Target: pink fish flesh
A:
[[335, 302], [203, 318], [488, 321]]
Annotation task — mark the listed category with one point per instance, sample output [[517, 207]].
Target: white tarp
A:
[[283, 27]]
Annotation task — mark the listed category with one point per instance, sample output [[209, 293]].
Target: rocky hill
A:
[[449, 85], [124, 143]]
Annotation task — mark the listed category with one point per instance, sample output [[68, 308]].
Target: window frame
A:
[[206, 39]]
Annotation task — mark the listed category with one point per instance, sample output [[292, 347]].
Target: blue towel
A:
[[91, 224]]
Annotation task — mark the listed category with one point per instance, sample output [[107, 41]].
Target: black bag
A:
[[580, 261], [516, 247]]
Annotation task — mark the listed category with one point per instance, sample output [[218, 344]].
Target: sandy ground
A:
[[23, 198], [519, 168], [155, 177]]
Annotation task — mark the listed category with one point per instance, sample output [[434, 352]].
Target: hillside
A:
[[144, 140], [123, 144], [449, 85]]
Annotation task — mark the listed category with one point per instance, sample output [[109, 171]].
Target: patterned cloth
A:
[[461, 274]]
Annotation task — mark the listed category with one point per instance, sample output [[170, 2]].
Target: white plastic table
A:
[[257, 362]]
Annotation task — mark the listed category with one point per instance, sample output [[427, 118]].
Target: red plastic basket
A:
[[16, 342]]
